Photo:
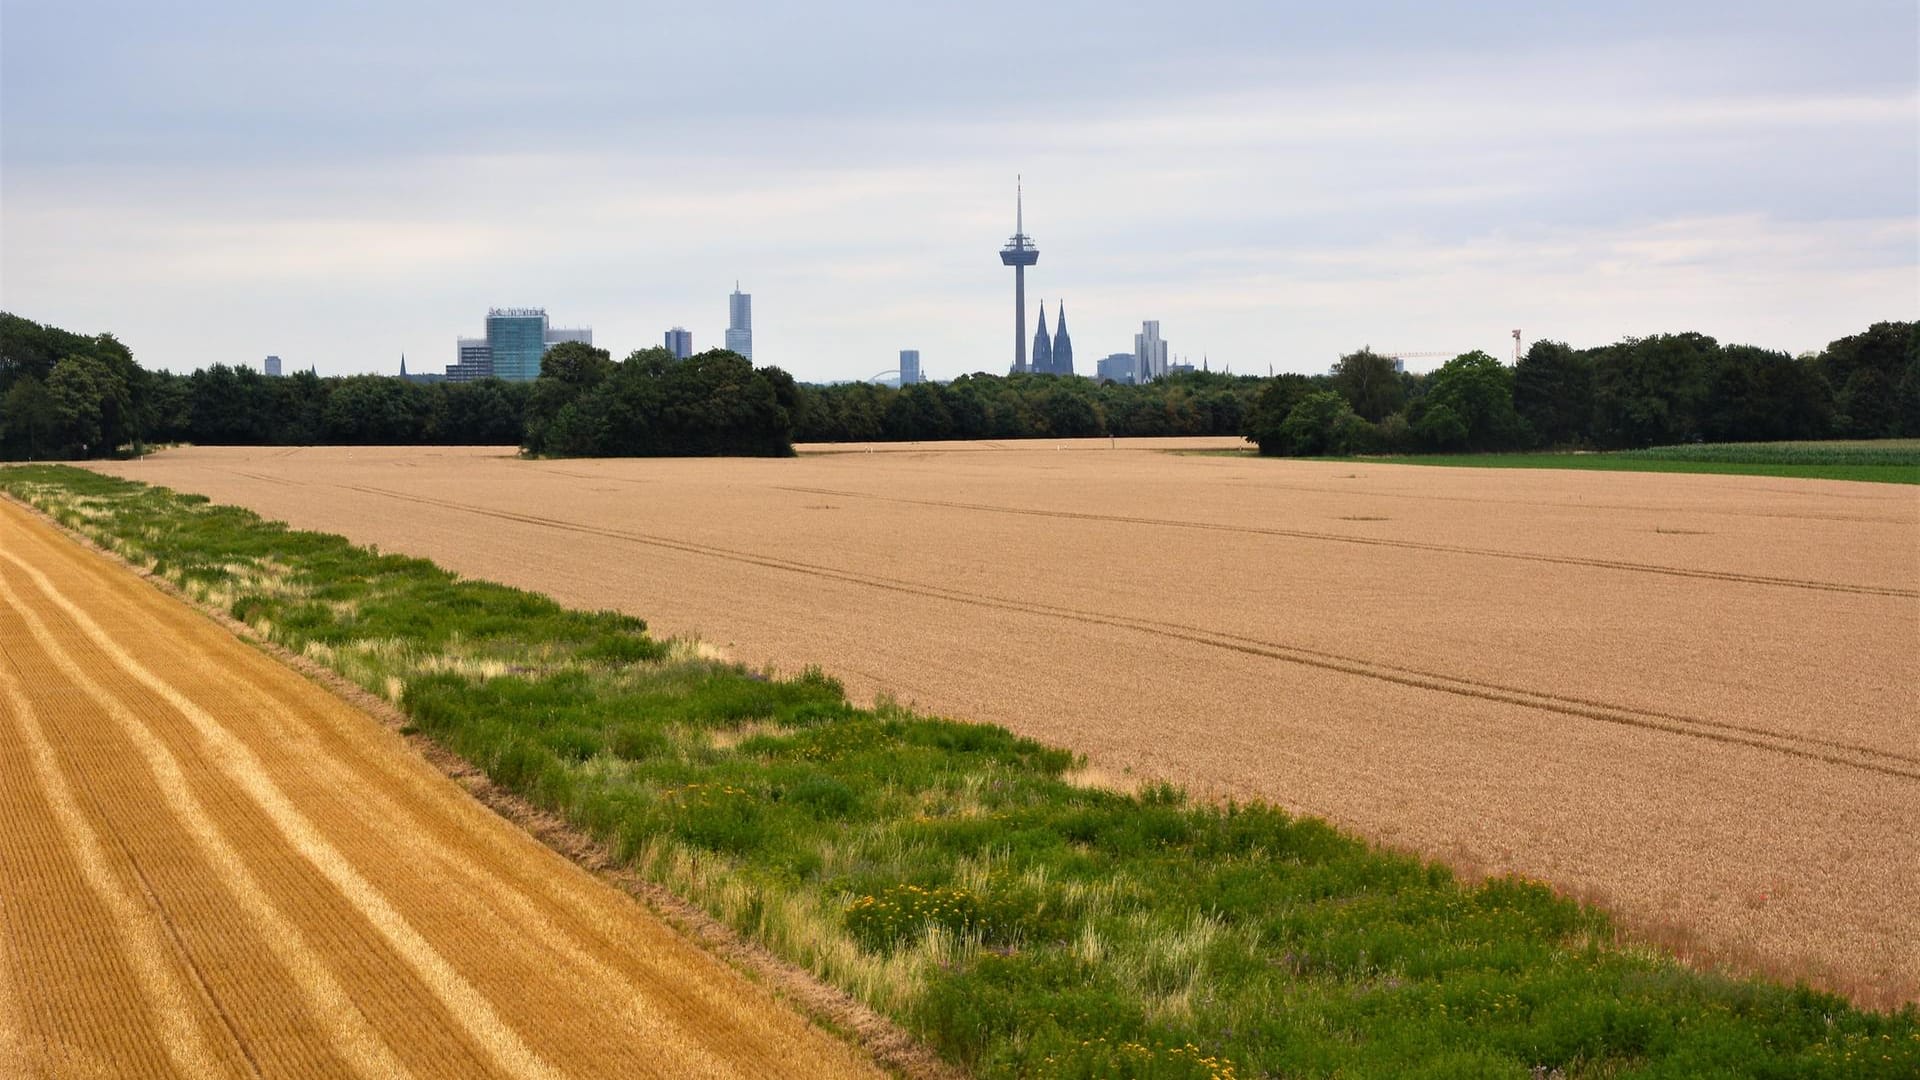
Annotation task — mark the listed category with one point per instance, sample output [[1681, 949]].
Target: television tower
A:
[[1019, 254]]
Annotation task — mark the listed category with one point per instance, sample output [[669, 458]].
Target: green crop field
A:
[[956, 877], [1889, 461]]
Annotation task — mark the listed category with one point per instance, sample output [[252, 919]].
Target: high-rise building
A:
[[1019, 253], [516, 339], [473, 359], [1042, 347], [1149, 353], [1062, 346], [680, 342], [740, 322], [1117, 368], [909, 366], [271, 366]]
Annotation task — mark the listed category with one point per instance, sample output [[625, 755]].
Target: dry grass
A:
[[218, 868], [1691, 696]]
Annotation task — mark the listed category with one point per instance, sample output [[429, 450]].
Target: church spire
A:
[[1062, 346], [1042, 348]]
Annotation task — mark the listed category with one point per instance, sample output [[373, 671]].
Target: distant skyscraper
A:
[[557, 334], [272, 365], [740, 322], [680, 342], [1042, 347], [516, 339], [1062, 345], [1019, 254], [1149, 353], [473, 359], [1117, 368], [909, 366]]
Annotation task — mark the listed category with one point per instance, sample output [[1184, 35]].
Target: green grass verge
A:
[[949, 873], [1884, 461]]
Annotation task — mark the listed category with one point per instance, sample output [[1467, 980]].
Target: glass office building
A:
[[516, 338], [740, 322]]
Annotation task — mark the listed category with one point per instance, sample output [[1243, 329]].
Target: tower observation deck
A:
[[1019, 254]]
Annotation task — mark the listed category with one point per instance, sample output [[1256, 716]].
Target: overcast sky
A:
[[342, 183]]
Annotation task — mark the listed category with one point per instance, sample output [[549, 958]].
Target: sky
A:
[[1277, 183]]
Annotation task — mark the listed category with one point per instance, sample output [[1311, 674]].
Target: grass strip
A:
[[1882, 461], [950, 874]]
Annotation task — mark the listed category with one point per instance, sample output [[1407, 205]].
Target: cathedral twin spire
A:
[[1042, 348], [1052, 356]]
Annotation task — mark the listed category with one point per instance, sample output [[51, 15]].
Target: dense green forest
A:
[[651, 405], [66, 395], [1023, 406], [1655, 391]]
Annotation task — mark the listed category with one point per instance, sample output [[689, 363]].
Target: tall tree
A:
[[1267, 418], [27, 422], [1369, 383], [1322, 423], [91, 405], [1553, 393], [1478, 390], [1756, 395], [1651, 391]]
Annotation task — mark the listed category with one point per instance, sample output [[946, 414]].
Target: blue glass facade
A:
[[516, 338]]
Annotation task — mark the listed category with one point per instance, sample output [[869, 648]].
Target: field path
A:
[[1693, 698], [210, 866]]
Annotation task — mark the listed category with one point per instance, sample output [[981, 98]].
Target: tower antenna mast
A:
[[1019, 253]]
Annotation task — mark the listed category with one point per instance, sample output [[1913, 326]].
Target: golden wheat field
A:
[[214, 867], [1693, 698]]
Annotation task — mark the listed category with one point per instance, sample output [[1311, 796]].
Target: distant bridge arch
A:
[[883, 376]]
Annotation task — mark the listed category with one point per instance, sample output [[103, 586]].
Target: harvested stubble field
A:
[[213, 867], [1691, 697]]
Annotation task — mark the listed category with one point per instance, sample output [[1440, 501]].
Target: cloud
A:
[[340, 184]]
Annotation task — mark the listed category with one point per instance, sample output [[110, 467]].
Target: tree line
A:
[[1027, 406], [64, 394], [67, 395], [652, 405], [1653, 391]]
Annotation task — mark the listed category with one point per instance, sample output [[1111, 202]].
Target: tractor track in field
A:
[[1806, 747], [1373, 541]]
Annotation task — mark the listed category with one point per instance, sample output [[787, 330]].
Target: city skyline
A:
[[1277, 186]]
